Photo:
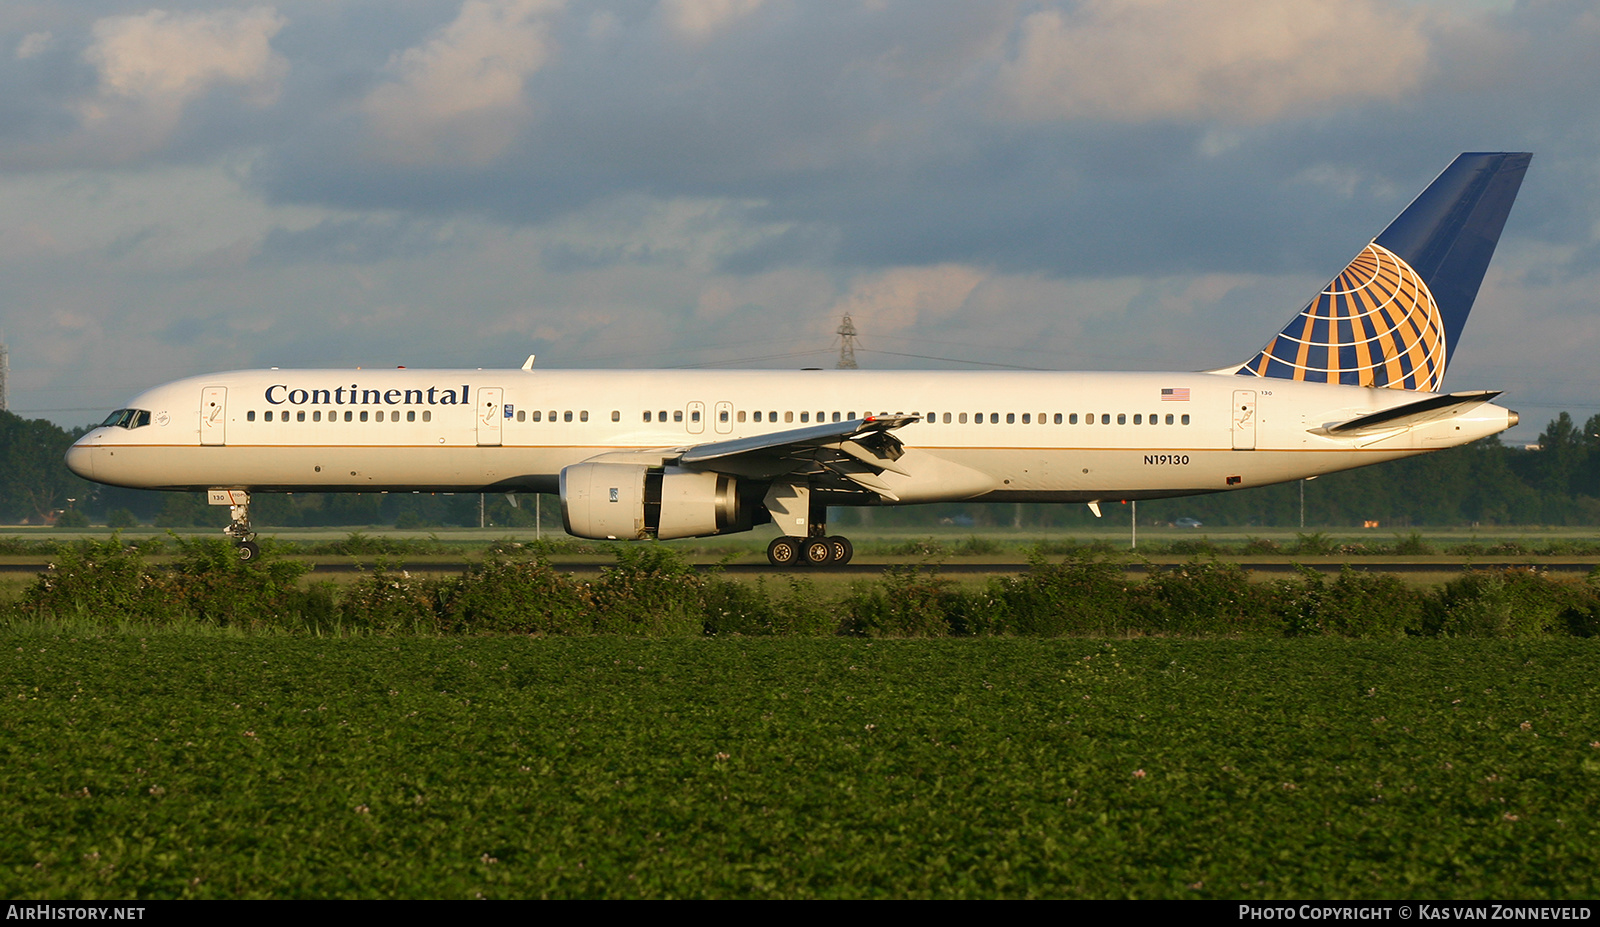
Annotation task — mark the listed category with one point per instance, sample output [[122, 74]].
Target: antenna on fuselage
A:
[[847, 344]]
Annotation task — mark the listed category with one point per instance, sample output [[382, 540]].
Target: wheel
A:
[[783, 552], [249, 550], [843, 550], [817, 551]]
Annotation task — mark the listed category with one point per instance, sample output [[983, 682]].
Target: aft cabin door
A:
[[213, 414], [490, 418], [1244, 419]]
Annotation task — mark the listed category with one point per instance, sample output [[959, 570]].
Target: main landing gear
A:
[[803, 518], [817, 550]]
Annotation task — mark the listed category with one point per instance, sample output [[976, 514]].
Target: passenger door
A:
[[213, 415]]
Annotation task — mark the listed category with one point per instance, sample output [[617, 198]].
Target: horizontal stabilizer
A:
[[1431, 409]]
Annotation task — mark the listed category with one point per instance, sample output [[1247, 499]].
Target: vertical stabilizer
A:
[[1393, 316]]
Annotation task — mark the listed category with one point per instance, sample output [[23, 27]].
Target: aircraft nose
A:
[[1513, 418], [80, 460]]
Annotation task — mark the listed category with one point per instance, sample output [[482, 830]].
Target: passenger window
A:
[[677, 415], [741, 416], [977, 418], [583, 416], [522, 415], [722, 416], [317, 415], [647, 415], [805, 416], [1186, 419], [963, 418], [537, 415], [1025, 418], [947, 418], [836, 416], [394, 416], [250, 416], [758, 416], [1072, 419], [1122, 419], [788, 417], [411, 415], [566, 416], [1137, 421], [268, 416], [1011, 418], [1153, 418], [363, 415], [772, 416], [427, 415], [349, 416], [1058, 419], [694, 415], [994, 418], [1169, 418], [300, 416], [662, 416]]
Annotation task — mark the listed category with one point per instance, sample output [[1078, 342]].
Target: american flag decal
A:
[[1176, 394]]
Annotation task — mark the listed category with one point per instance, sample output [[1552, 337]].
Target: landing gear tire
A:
[[817, 551], [783, 552], [843, 550], [248, 551]]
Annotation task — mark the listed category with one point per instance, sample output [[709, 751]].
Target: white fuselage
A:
[[1022, 436]]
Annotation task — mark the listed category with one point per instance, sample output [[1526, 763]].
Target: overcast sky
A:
[[1145, 185]]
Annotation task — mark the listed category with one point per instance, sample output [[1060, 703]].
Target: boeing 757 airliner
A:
[[1354, 379]]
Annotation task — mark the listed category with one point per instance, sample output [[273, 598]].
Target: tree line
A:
[[1484, 483]]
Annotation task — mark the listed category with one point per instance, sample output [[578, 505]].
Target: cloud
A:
[[33, 45], [460, 97], [1237, 61], [152, 65], [701, 19]]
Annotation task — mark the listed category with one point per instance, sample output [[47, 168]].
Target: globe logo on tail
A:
[[1375, 325]]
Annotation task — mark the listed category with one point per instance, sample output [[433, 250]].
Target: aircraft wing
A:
[[842, 455], [1422, 411]]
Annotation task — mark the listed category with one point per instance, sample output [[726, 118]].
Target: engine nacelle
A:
[[623, 501]]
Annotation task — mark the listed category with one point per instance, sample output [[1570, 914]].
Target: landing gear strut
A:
[[815, 547], [244, 537]]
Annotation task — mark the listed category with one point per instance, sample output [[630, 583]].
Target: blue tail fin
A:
[[1391, 318]]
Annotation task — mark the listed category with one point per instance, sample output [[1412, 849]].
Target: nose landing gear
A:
[[244, 537]]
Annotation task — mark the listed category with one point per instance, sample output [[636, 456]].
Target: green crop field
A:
[[210, 764]]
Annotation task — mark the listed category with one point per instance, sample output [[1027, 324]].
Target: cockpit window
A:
[[127, 418]]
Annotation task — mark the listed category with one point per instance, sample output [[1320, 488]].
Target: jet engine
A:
[[624, 501]]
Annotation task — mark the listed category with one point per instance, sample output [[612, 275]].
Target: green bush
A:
[[512, 596], [651, 592], [1356, 604], [1205, 597], [1499, 603], [385, 601], [1079, 595], [99, 581], [910, 601]]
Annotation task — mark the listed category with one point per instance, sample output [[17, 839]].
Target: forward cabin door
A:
[[213, 414], [490, 418], [1244, 419]]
